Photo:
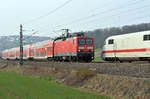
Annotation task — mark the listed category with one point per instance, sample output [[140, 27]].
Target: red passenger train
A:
[[78, 48]]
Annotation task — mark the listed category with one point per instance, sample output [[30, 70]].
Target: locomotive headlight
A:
[[81, 47], [89, 47]]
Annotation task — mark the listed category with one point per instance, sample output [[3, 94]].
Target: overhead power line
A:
[[100, 13], [49, 13], [128, 11], [91, 11], [133, 19]]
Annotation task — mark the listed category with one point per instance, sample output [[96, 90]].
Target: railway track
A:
[[139, 69]]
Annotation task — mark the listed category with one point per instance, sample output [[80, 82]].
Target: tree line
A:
[[101, 34]]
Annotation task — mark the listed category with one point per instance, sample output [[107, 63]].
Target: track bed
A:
[[136, 69]]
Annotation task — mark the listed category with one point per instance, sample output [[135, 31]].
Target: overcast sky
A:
[[77, 15]]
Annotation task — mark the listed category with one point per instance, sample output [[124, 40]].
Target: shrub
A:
[[84, 74]]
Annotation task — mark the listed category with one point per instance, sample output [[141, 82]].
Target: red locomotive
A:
[[72, 48]]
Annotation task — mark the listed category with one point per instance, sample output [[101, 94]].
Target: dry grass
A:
[[120, 87], [84, 74]]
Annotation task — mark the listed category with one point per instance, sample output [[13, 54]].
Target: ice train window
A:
[[111, 41], [146, 37]]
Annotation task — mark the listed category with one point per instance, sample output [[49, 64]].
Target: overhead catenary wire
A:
[[104, 5], [49, 13], [128, 11], [108, 18], [134, 2], [100, 13], [107, 11], [110, 1], [131, 19], [93, 15]]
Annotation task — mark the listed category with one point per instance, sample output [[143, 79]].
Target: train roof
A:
[[130, 34], [40, 44], [5, 51]]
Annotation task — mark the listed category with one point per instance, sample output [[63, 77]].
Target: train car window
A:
[[89, 41], [45, 52], [49, 49], [41, 54], [37, 54], [32, 50], [148, 37], [24, 55], [145, 37], [111, 41]]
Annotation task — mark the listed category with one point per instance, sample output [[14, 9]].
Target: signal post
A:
[[21, 46]]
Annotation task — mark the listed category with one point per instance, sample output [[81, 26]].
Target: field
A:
[[16, 86]]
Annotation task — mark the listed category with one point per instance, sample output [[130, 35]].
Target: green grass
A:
[[97, 59], [35, 88], [5, 95]]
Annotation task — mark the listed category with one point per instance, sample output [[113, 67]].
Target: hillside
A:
[[101, 34]]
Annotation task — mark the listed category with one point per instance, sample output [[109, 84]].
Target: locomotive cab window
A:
[[146, 37], [81, 41], [89, 41], [85, 41], [111, 41]]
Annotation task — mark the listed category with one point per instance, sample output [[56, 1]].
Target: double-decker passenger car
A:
[[74, 48], [127, 47], [5, 54]]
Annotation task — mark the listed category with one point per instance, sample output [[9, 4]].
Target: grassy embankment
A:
[[15, 86]]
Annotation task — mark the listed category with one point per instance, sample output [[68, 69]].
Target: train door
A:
[[113, 46], [49, 51], [115, 49], [45, 51]]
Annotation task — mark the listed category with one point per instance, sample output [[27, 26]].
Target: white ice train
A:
[[127, 47]]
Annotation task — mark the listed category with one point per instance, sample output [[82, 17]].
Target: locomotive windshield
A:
[[85, 41]]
